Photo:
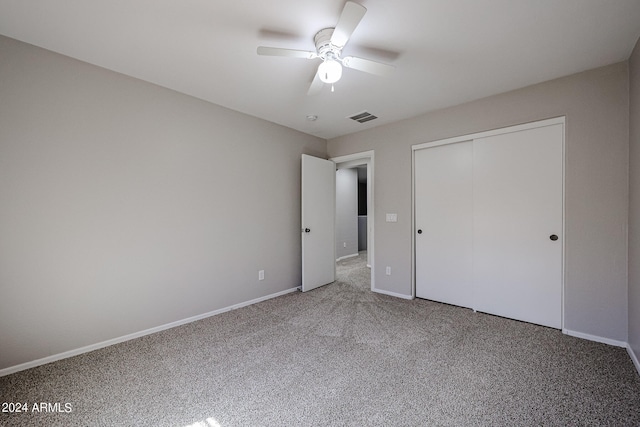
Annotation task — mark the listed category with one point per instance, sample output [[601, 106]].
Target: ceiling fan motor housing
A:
[[324, 47]]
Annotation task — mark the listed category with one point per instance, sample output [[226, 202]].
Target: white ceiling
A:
[[445, 51]]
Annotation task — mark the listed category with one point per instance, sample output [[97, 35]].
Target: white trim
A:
[[392, 294], [564, 221], [346, 257], [358, 159], [492, 132], [107, 343], [413, 223], [634, 358], [595, 338], [355, 156]]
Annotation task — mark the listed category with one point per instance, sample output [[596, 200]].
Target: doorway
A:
[[351, 211], [355, 218]]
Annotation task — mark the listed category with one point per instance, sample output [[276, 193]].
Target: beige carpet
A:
[[339, 355]]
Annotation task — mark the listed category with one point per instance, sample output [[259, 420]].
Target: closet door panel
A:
[[443, 215], [517, 203]]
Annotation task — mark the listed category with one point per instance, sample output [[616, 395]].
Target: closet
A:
[[489, 221]]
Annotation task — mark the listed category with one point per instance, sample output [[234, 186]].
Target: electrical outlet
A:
[[261, 275], [344, 244], [388, 271]]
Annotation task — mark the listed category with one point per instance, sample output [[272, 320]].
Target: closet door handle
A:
[[419, 231], [554, 237]]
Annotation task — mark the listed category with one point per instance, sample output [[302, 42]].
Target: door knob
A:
[[420, 231], [306, 230], [553, 237]]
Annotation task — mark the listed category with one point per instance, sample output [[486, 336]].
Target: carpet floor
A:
[[339, 355]]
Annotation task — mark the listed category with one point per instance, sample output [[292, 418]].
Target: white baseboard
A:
[[92, 347], [392, 294], [595, 338], [634, 357], [347, 256]]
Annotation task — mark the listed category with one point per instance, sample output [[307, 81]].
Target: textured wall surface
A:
[[126, 206]]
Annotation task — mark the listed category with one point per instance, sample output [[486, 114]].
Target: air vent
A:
[[363, 117]]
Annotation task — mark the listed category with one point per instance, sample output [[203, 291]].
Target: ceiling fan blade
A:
[[349, 20], [368, 66], [291, 53], [316, 86]]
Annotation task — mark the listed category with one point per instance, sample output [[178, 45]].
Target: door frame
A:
[[493, 132], [359, 159]]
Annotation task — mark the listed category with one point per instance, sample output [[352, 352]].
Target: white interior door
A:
[[318, 222], [517, 202], [444, 221]]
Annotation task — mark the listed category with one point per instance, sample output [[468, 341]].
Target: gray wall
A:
[[346, 212], [634, 202], [595, 104], [125, 206]]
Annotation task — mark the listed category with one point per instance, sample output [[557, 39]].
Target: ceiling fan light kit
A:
[[329, 43], [330, 71]]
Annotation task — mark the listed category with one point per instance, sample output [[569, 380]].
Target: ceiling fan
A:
[[329, 44]]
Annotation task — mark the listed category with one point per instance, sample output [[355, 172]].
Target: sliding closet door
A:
[[443, 219], [517, 225]]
